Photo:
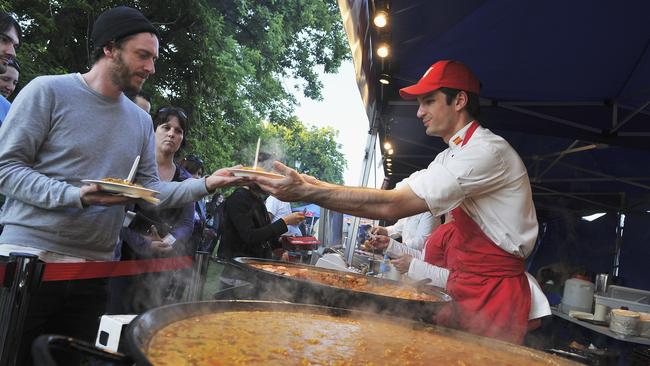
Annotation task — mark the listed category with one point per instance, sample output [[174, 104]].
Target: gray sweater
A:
[[58, 132]]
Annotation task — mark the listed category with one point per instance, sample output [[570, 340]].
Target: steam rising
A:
[[271, 150]]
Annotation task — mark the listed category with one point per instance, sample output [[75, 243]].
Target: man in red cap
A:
[[481, 186]]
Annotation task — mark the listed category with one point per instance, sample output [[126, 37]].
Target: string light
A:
[[383, 50], [381, 19]]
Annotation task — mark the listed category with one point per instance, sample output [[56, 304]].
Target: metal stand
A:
[[22, 277], [199, 273]]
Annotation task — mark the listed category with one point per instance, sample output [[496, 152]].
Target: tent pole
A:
[[630, 116], [350, 241], [619, 238]]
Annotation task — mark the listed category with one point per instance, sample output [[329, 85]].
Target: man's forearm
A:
[[358, 201]]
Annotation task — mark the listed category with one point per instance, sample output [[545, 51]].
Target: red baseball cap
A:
[[443, 74]]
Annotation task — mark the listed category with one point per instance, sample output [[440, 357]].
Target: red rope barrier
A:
[[88, 270], [3, 269]]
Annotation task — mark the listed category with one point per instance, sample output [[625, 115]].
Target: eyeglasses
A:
[[174, 110], [193, 158], [6, 39]]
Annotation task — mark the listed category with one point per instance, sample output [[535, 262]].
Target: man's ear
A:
[[109, 50], [461, 100]]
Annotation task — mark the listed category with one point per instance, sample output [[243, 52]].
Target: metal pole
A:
[[199, 273], [350, 243], [620, 227], [23, 274]]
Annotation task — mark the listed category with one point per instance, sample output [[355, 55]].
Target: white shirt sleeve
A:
[[419, 270], [395, 231], [396, 249], [423, 228]]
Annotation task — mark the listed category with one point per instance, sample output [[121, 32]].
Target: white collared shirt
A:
[[487, 178], [414, 230], [280, 209]]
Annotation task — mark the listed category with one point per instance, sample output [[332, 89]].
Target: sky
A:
[[342, 109]]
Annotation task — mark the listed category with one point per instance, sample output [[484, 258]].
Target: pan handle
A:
[[44, 345]]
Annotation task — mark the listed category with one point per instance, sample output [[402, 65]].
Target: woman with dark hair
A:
[[154, 232]]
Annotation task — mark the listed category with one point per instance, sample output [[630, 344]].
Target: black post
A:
[[23, 275], [199, 273]]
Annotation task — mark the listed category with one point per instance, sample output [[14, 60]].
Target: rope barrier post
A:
[[199, 273], [23, 274]]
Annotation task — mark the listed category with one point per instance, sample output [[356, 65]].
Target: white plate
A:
[[124, 189], [254, 173]]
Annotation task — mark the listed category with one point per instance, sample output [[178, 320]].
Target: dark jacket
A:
[[246, 228]]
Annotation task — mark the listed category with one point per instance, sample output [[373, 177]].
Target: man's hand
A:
[[402, 263], [223, 178], [91, 195], [293, 187], [379, 230], [379, 242], [294, 218]]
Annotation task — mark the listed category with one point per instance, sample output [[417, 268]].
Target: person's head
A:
[[193, 164], [9, 79], [128, 42], [143, 101], [170, 125], [448, 98], [9, 39]]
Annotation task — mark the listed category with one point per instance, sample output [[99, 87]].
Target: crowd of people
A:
[[467, 221]]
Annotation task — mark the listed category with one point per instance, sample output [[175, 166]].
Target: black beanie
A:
[[120, 22]]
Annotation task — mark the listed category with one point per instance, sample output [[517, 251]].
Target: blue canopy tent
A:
[[313, 209], [566, 83]]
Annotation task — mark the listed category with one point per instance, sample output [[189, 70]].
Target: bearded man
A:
[[66, 128]]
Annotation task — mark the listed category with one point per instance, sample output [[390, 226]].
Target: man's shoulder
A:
[[50, 82], [485, 139], [54, 79]]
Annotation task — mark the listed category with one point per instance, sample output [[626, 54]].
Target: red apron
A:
[[489, 287]]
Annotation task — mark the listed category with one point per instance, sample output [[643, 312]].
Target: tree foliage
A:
[[222, 61], [309, 150]]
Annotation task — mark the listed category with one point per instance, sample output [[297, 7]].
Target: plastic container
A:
[[631, 298], [644, 324], [624, 322], [578, 295]]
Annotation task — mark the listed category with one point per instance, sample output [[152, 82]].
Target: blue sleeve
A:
[[183, 227], [135, 241]]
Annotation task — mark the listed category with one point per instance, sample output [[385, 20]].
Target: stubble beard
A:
[[121, 77]]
